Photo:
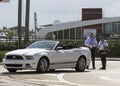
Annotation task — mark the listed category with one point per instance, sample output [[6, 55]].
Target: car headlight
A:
[[29, 57]]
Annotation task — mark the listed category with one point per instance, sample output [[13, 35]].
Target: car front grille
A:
[[13, 65], [14, 57]]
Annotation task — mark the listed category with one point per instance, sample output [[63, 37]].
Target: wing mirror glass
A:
[[59, 48]]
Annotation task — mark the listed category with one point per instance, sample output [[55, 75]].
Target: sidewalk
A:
[[110, 59]]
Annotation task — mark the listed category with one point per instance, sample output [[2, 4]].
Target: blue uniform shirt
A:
[[102, 44], [91, 42]]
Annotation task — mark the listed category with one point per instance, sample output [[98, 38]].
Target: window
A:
[[114, 27], [72, 33], [78, 33], [66, 34], [60, 34]]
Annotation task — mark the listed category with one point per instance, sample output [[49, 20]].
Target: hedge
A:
[[9, 46], [2, 54], [113, 46], [12, 46]]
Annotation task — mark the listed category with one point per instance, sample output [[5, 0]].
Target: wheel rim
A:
[[43, 65], [81, 64]]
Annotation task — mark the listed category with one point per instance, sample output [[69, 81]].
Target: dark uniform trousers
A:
[[93, 56], [103, 59]]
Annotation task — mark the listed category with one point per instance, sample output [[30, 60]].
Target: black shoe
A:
[[87, 67], [102, 68], [93, 68]]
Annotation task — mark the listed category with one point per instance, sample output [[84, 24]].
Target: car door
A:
[[57, 56], [69, 55], [61, 56]]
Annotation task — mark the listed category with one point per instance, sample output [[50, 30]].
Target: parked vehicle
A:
[[47, 55]]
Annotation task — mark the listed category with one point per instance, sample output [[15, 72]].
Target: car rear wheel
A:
[[12, 70], [42, 65], [81, 64], [52, 70]]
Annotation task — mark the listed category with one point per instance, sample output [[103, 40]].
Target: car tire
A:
[[81, 64], [11, 70], [52, 70], [42, 66]]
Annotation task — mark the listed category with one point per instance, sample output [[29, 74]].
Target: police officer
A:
[[91, 43], [102, 45]]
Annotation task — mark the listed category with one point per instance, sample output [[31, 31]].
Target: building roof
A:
[[73, 24]]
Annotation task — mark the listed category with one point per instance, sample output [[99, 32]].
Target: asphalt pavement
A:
[[65, 77]]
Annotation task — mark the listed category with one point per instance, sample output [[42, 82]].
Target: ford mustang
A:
[[44, 56]]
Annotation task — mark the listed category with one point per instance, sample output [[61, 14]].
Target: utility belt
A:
[[103, 52], [92, 48]]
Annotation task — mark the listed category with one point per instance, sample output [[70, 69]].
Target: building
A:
[[92, 21], [14, 31], [92, 14], [3, 36]]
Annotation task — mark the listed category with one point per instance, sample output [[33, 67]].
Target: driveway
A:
[[64, 77]]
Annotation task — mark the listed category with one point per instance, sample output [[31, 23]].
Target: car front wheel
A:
[[42, 65], [81, 64]]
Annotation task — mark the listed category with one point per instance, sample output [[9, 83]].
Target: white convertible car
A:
[[44, 56]]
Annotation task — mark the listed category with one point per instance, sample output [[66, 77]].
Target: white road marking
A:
[[43, 80], [60, 77], [51, 74]]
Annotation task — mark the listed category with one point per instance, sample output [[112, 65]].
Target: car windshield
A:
[[49, 45]]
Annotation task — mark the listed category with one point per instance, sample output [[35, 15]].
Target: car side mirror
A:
[[59, 48]]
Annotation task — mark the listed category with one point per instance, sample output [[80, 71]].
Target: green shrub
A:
[[72, 42], [114, 49], [12, 46], [9, 46], [113, 46], [2, 54]]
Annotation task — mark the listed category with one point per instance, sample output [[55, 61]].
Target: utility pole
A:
[[35, 23], [27, 21], [19, 21]]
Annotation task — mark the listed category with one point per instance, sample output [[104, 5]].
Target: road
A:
[[64, 77]]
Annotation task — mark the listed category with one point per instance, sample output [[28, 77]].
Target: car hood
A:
[[29, 51]]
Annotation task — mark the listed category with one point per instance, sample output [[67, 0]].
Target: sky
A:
[[50, 10]]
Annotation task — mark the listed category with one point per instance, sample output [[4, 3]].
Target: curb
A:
[[109, 59]]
